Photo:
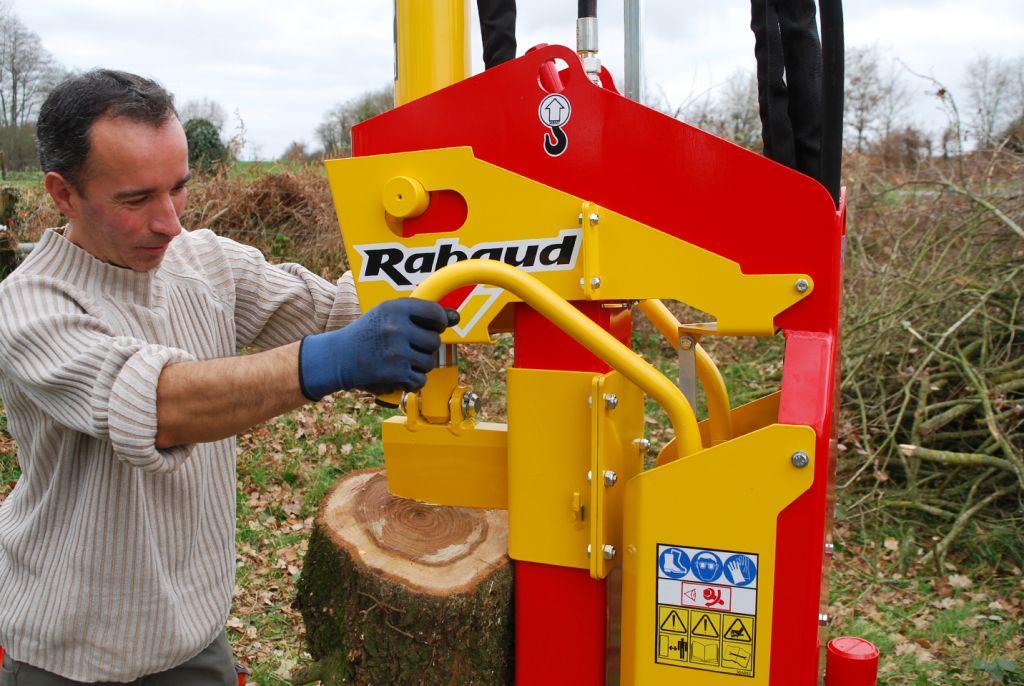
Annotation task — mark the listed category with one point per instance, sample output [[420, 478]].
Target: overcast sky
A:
[[281, 65]]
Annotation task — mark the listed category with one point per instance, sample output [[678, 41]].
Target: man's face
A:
[[132, 192]]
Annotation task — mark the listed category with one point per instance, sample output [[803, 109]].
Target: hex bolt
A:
[[590, 476], [611, 401], [588, 550], [824, 619], [609, 552], [830, 549], [595, 282], [582, 282], [580, 219], [643, 443], [471, 401], [594, 218], [610, 478], [800, 459], [802, 285]]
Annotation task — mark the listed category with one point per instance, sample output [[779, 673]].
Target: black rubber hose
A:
[[789, 82], [498, 30], [587, 8], [834, 87]]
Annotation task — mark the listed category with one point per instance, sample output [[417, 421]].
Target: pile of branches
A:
[[933, 384], [288, 215]]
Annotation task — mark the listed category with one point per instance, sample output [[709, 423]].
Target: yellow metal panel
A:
[[431, 46], [504, 207], [549, 456], [725, 498], [433, 465]]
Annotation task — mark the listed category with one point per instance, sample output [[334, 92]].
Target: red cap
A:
[[852, 661]]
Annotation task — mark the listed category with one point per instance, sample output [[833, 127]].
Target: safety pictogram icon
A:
[[739, 630], [705, 625], [672, 620]]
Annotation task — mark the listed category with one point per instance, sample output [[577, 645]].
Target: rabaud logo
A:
[[404, 268]]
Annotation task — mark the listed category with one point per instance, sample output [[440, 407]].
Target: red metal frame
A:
[[701, 189]]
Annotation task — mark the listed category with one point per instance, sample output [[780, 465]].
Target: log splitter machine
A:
[[537, 199]]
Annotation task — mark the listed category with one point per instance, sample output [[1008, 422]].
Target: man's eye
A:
[[136, 202]]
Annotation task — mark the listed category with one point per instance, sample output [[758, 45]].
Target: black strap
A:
[[498, 30]]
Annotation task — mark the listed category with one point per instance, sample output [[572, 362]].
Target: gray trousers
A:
[[215, 666]]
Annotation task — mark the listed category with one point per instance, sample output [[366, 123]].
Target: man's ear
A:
[[64, 195]]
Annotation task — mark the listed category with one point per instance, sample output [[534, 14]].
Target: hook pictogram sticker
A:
[[554, 113]]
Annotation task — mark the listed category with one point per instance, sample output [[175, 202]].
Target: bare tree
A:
[[876, 97], [205, 108], [995, 90], [335, 131], [27, 71]]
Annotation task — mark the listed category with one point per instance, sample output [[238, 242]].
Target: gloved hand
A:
[[391, 347]]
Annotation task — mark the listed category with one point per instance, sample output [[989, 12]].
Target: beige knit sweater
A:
[[118, 559]]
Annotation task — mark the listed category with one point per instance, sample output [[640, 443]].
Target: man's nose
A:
[[165, 218]]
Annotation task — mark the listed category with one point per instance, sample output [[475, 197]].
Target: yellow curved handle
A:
[[719, 414], [584, 331]]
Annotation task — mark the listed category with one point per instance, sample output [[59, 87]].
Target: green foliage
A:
[[206, 151], [1002, 671]]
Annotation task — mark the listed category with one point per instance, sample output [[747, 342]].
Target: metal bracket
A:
[[591, 281], [688, 368]]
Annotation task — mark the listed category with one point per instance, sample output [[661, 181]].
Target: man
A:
[[122, 389]]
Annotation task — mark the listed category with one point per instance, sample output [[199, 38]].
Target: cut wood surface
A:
[[398, 592]]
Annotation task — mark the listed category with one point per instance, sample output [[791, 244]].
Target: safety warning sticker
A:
[[707, 609]]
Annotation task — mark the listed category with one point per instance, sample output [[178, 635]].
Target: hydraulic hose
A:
[[834, 85]]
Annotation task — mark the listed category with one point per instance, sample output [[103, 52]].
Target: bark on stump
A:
[[397, 593]]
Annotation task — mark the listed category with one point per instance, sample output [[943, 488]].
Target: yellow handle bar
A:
[[584, 331], [719, 415]]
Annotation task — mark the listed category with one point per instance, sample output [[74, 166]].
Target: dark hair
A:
[[77, 102]]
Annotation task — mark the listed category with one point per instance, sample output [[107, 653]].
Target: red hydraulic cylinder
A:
[[851, 662]]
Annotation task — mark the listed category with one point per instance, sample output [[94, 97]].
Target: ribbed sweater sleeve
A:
[[277, 304], [80, 373]]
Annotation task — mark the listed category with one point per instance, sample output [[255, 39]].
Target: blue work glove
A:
[[391, 347]]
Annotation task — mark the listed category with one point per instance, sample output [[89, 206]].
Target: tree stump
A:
[[394, 592]]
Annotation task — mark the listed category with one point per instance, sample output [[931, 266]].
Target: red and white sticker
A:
[[707, 596]]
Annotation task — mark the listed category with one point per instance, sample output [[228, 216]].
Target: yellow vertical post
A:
[[431, 46]]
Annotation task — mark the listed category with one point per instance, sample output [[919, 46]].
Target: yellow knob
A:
[[404, 197]]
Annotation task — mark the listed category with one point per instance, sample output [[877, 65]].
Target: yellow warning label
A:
[[713, 641]]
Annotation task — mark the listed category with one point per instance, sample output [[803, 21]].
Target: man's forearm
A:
[[205, 401]]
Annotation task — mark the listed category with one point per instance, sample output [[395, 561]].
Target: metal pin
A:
[[610, 478], [609, 552]]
